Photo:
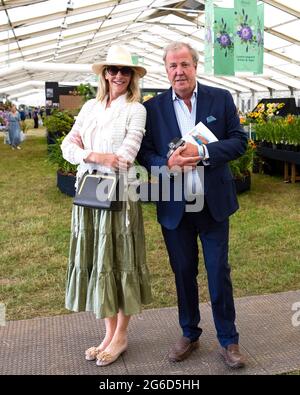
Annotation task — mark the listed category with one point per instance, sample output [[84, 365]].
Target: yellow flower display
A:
[[147, 97], [264, 112]]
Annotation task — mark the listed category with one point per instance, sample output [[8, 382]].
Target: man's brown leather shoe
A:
[[232, 356], [182, 349]]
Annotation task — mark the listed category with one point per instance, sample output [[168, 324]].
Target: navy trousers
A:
[[182, 248]]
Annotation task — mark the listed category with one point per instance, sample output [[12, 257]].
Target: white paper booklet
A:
[[200, 130]]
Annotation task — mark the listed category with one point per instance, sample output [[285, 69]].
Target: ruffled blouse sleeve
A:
[[72, 146], [135, 132]]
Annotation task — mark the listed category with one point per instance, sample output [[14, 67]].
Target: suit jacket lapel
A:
[[204, 104], [170, 116]]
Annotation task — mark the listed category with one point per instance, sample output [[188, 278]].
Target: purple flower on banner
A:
[[245, 33], [223, 36], [259, 38], [245, 30], [224, 40], [208, 36], [260, 34]]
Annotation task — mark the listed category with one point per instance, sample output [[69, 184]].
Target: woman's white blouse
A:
[[118, 129]]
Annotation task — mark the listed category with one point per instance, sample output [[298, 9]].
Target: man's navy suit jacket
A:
[[216, 109]]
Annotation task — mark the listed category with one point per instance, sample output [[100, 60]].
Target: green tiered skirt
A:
[[107, 268]]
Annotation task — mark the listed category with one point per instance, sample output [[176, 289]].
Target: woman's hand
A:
[[74, 138], [107, 160], [123, 164], [113, 161]]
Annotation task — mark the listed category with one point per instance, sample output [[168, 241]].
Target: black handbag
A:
[[100, 191]]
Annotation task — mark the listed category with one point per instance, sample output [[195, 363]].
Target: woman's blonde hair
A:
[[133, 91]]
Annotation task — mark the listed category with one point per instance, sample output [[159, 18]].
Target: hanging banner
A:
[[260, 38], [245, 43], [135, 59], [208, 40], [223, 41], [234, 38]]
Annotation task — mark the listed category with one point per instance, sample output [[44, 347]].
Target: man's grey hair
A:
[[176, 45]]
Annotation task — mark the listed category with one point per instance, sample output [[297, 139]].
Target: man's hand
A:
[[184, 162], [189, 150]]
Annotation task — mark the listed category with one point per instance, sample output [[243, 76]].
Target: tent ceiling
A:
[[81, 31]]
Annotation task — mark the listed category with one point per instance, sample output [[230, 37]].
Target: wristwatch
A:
[[173, 145]]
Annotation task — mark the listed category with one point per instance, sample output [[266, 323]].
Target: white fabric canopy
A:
[[39, 39]]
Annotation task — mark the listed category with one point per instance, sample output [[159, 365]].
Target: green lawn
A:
[[34, 237]]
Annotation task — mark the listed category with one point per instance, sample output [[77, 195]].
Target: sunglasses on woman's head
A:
[[125, 71]]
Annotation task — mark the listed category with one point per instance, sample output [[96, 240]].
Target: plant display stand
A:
[[290, 173], [290, 159], [243, 184]]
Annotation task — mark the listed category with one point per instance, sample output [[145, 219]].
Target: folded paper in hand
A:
[[200, 131]]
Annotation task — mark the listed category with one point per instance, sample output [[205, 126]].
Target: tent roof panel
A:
[[274, 16], [291, 29], [291, 4], [146, 26]]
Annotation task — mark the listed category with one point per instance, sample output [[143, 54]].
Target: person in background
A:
[[169, 115], [3, 117], [4, 114], [107, 271], [22, 113], [36, 118], [14, 128]]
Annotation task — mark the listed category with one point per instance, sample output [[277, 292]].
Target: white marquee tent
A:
[[58, 40]]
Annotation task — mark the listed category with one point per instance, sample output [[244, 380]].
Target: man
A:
[[171, 114]]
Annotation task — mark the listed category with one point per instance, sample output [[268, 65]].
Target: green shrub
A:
[[280, 130], [55, 156], [87, 91], [242, 166], [59, 123]]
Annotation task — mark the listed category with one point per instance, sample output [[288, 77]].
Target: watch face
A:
[[174, 144]]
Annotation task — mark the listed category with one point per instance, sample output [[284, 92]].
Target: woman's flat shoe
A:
[[92, 352], [104, 358]]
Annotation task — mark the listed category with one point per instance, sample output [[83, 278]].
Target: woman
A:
[[107, 271], [14, 127]]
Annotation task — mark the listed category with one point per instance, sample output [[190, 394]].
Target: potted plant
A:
[[241, 168], [58, 124], [86, 91], [282, 133], [66, 172]]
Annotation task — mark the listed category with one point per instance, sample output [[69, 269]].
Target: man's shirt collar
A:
[[175, 97]]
